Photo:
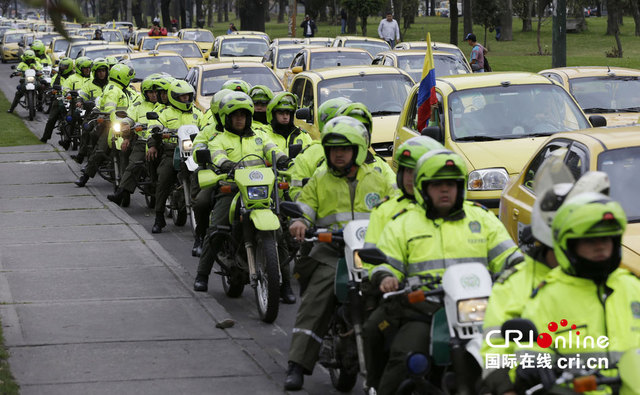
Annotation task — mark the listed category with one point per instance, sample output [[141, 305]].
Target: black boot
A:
[[295, 378], [201, 284], [65, 144], [118, 196], [159, 224], [43, 139], [286, 293], [78, 158], [15, 102], [82, 181], [197, 246]]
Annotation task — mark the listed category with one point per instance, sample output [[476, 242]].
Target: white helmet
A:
[[550, 200]]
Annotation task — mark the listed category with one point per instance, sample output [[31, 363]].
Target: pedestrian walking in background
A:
[[388, 30], [477, 53], [232, 29], [343, 21], [308, 26]]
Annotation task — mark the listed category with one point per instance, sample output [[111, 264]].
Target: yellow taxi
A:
[[202, 37], [254, 33], [495, 122], [113, 36], [58, 47], [369, 44], [322, 57], [102, 51], [148, 43], [413, 61], [9, 47], [608, 91], [189, 50], [239, 47], [85, 32], [381, 89], [324, 41], [278, 58], [208, 78], [277, 42], [614, 150], [25, 42], [436, 46], [147, 63]]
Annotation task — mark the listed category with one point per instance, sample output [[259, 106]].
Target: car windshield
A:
[[150, 43], [383, 94], [60, 46], [103, 53], [607, 94], [47, 38], [198, 35], [454, 51], [243, 47], [212, 80], [623, 165], [285, 56], [445, 65], [173, 65], [514, 111], [372, 47], [338, 58], [112, 35], [183, 49], [13, 38]]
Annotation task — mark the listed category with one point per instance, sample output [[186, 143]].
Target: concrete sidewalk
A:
[[92, 304]]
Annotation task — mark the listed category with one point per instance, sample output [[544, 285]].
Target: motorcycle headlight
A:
[[472, 310], [31, 79], [187, 145], [488, 179], [258, 193], [117, 126]]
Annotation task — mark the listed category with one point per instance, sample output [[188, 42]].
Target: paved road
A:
[[269, 342]]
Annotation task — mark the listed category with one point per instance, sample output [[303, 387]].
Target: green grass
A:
[[8, 385], [14, 132], [583, 49]]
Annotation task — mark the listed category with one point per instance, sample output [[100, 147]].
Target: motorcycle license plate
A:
[[30, 86]]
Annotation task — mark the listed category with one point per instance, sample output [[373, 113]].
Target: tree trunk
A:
[[453, 27], [136, 11], [282, 4], [183, 15], [352, 21], [226, 10], [636, 15], [432, 6], [527, 23], [506, 21], [252, 14], [267, 16], [467, 16], [618, 43], [363, 25], [612, 18], [165, 10]]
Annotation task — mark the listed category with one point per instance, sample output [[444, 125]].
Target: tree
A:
[[506, 20], [523, 9], [453, 27], [635, 11], [614, 7], [251, 14], [166, 13], [362, 9], [485, 13], [467, 16], [542, 4]]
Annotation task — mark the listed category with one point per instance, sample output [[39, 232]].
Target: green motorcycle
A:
[[249, 250]]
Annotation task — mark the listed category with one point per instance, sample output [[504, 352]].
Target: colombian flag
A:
[[427, 90]]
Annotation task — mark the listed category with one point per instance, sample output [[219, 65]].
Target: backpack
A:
[[487, 67]]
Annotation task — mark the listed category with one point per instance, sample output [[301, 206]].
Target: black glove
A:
[[227, 166], [283, 163], [530, 377]]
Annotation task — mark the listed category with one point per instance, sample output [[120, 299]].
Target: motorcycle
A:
[[70, 125], [456, 328], [180, 198], [342, 351], [29, 84], [249, 248], [45, 82]]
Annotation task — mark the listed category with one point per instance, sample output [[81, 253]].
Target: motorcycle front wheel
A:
[[341, 379], [178, 209], [268, 270], [31, 104]]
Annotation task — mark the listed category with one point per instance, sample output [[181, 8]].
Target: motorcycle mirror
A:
[[192, 136], [13, 67], [89, 104], [373, 256], [121, 114], [57, 87], [522, 325], [152, 115], [203, 156], [294, 150], [291, 209]]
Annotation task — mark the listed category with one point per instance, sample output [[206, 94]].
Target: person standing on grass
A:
[[308, 26], [388, 30], [477, 53]]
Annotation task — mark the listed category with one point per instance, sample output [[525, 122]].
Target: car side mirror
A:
[[294, 150], [291, 209], [13, 67], [434, 132], [598, 121], [268, 64], [214, 54], [21, 44], [522, 325], [151, 115], [373, 256], [203, 156], [304, 114], [296, 70]]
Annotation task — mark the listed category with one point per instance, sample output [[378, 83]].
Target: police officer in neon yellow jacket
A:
[[114, 98], [588, 290], [442, 230], [261, 96], [344, 191], [28, 60], [137, 114], [83, 73], [512, 290], [228, 151], [65, 70], [280, 125]]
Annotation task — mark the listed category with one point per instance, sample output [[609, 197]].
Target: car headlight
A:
[[187, 145], [258, 193], [488, 179], [472, 310]]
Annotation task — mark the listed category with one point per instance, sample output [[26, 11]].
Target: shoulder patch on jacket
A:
[[137, 103], [480, 205], [111, 87], [506, 274], [399, 213], [537, 289], [384, 199]]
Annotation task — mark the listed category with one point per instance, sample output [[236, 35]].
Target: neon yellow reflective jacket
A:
[[172, 118], [612, 311], [137, 113], [204, 139], [22, 66], [229, 146], [330, 202], [304, 165], [90, 90], [298, 136], [75, 82], [417, 245]]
